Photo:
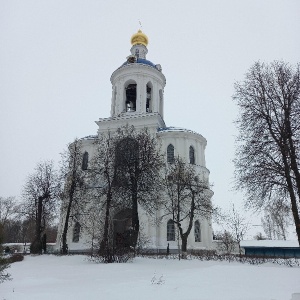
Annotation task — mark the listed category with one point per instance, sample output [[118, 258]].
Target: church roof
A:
[[180, 129], [139, 38], [89, 137], [270, 243], [175, 129], [141, 61]]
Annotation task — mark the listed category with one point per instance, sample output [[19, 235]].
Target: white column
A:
[[143, 94], [113, 101], [119, 97], [155, 97], [138, 94]]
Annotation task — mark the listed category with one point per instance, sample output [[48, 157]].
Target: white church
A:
[[138, 100]]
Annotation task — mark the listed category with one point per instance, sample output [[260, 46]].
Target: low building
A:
[[271, 248]]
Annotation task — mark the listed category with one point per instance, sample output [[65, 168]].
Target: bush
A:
[[122, 255], [4, 264], [211, 255], [16, 257]]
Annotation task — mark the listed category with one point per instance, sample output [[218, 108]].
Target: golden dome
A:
[[139, 38]]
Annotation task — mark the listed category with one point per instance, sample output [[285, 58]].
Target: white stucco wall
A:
[[181, 139]]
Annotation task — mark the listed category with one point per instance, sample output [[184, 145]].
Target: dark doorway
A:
[[123, 237]]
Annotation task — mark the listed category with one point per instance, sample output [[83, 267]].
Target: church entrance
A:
[[123, 229]]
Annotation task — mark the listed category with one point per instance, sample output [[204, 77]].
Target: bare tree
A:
[[9, 208], [187, 196], [73, 172], [124, 174], [276, 220], [93, 225], [236, 224], [268, 151], [226, 240], [18, 226], [9, 218], [138, 172], [40, 193], [143, 241], [104, 188], [3, 262]]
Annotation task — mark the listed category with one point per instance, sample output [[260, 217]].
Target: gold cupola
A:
[[139, 38]]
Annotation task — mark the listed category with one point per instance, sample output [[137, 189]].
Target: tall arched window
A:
[[85, 161], [76, 232], [130, 91], [170, 231], [170, 154], [197, 231], [149, 97], [192, 155]]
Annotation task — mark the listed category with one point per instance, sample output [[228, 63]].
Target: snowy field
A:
[[50, 277]]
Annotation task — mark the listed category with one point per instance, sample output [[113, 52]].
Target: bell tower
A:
[[138, 84]]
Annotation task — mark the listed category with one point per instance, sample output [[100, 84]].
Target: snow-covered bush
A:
[[4, 263]]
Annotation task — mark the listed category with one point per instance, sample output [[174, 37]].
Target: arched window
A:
[[170, 154], [85, 161], [76, 232], [131, 97], [170, 231], [197, 231], [149, 97], [192, 155]]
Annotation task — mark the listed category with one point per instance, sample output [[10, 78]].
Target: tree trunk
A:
[[283, 145], [135, 214], [64, 249], [135, 220], [292, 198], [293, 157], [184, 246], [184, 236], [36, 246], [104, 246]]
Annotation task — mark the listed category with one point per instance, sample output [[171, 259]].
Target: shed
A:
[[271, 248]]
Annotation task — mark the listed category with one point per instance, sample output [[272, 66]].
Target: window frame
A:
[[197, 231], [85, 161], [170, 154], [192, 155], [170, 231], [76, 232]]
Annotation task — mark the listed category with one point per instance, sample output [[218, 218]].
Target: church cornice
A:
[[180, 132], [127, 116], [136, 68]]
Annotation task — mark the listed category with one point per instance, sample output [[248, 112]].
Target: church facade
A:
[[138, 100]]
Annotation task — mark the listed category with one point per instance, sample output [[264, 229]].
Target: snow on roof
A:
[[89, 137], [175, 129], [269, 243], [23, 244]]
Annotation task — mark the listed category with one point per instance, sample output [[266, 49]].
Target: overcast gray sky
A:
[[56, 58]]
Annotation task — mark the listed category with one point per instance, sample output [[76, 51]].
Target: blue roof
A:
[[141, 61]]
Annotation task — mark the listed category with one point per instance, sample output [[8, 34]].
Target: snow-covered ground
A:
[[50, 277]]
